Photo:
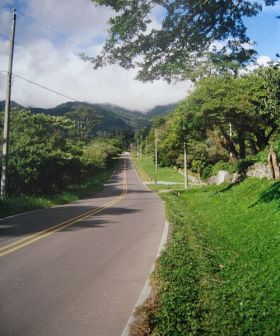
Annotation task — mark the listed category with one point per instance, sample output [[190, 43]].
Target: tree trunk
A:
[[253, 147], [272, 161], [262, 141], [229, 146], [241, 141]]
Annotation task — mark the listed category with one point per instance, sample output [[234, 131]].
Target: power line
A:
[[45, 88], [41, 86]]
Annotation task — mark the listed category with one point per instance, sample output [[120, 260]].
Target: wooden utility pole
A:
[[156, 156], [146, 152], [141, 146], [5, 146], [231, 156], [186, 182], [185, 166]]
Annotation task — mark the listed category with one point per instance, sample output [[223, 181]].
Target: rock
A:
[[212, 180], [223, 176], [260, 170], [191, 178], [237, 177]]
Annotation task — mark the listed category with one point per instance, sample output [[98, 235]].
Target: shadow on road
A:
[[43, 219]]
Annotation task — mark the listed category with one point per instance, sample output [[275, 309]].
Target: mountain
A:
[[13, 105], [161, 110], [113, 119]]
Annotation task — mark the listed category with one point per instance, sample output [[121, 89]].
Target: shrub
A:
[[221, 165]]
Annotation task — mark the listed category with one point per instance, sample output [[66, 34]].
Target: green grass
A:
[[146, 169], [14, 205], [220, 273]]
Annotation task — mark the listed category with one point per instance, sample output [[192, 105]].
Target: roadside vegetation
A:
[[55, 160], [17, 204], [227, 122], [146, 170], [219, 274]]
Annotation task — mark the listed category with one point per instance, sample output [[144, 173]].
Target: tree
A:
[[44, 158], [85, 120], [247, 102], [187, 36]]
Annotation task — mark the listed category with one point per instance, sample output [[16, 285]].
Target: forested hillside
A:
[[111, 118], [161, 110]]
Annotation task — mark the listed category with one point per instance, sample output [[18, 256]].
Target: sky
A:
[[50, 34]]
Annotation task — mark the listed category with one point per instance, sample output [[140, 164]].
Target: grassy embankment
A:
[[14, 205], [220, 272], [146, 170]]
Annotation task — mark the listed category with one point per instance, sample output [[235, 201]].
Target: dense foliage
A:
[[104, 119], [226, 118], [48, 153], [185, 39]]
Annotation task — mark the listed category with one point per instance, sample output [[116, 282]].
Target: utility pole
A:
[[137, 146], [230, 136], [141, 146], [5, 148], [146, 152], [156, 156], [186, 182]]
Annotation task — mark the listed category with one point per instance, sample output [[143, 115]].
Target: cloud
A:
[[68, 74], [264, 60], [47, 58]]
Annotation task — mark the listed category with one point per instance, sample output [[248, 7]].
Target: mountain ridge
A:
[[113, 118]]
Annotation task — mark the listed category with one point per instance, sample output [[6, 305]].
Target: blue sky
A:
[[52, 59], [265, 30]]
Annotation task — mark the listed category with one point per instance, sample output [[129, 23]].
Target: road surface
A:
[[78, 269]]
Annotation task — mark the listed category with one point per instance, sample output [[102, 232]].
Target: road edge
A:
[[147, 289]]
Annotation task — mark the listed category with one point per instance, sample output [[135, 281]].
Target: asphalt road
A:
[[60, 276]]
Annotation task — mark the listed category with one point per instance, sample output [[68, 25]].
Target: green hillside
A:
[[112, 119], [161, 110]]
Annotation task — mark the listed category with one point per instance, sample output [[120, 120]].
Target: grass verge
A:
[[220, 272], [146, 170], [15, 205]]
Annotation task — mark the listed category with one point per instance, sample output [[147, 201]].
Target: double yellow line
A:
[[47, 232]]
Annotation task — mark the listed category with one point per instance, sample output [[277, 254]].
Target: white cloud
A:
[[42, 57], [68, 74], [264, 60]]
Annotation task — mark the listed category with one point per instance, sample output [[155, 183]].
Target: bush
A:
[[262, 156], [221, 165], [101, 152], [207, 172]]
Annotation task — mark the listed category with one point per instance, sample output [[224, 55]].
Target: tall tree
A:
[[187, 35], [85, 120]]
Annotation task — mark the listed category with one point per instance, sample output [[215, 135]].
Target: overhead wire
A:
[[45, 88], [41, 86]]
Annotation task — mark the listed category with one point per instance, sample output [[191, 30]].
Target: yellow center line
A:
[[45, 233]]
